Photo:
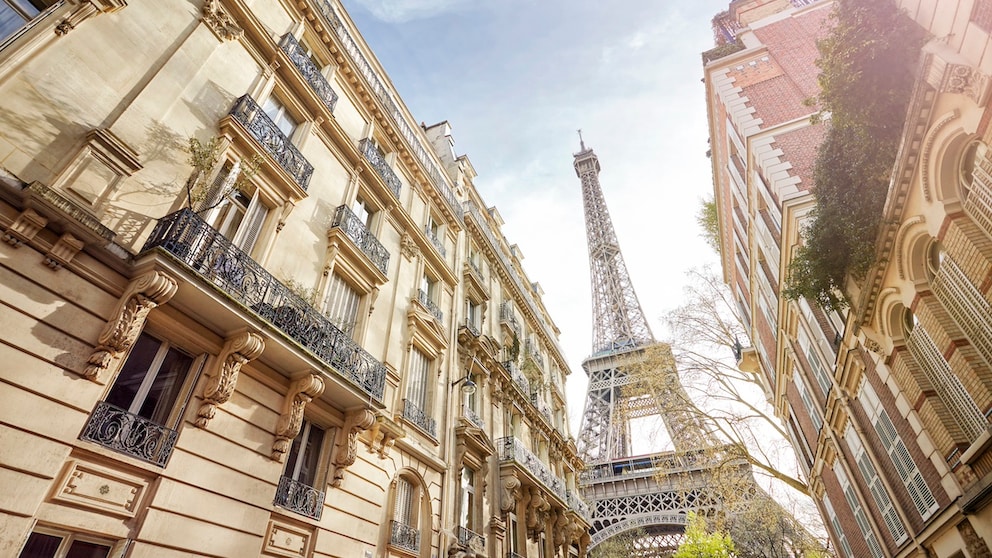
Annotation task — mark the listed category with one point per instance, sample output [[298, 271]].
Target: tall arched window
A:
[[410, 515]]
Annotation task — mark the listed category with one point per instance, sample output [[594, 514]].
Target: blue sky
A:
[[516, 78]]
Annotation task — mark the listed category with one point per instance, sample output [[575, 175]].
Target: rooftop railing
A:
[[247, 112], [214, 258]]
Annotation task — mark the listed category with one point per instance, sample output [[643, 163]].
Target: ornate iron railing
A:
[[355, 229], [413, 414], [473, 417], [209, 254], [532, 350], [476, 269], [378, 161], [580, 507], [506, 316], [432, 236], [379, 89], [471, 327], [517, 376], [513, 450], [300, 498], [540, 405], [309, 70], [429, 304], [404, 536], [127, 433], [262, 128], [470, 539]]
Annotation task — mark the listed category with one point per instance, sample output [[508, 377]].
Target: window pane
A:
[[40, 545], [82, 549], [311, 456], [133, 372], [165, 388]]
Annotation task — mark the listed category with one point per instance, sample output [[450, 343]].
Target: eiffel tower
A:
[[646, 497]]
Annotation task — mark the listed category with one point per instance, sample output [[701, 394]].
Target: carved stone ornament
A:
[[301, 392], [383, 435], [509, 491], [873, 346], [142, 294], [560, 534], [963, 79], [408, 247], [220, 22], [538, 509], [24, 228], [346, 446], [85, 10], [237, 351]]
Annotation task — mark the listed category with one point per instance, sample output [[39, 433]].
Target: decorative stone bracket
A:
[[84, 10], [24, 228], [220, 21], [237, 351], [383, 435], [509, 492], [301, 392], [141, 296], [346, 445]]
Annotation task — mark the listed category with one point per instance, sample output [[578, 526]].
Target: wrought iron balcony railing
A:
[[309, 70], [378, 161], [476, 270], [470, 539], [578, 505], [437, 242], [473, 417], [513, 450], [404, 536], [262, 128], [429, 304], [300, 498], [355, 229], [506, 316], [541, 406], [379, 89], [471, 327], [127, 433], [413, 414], [517, 376], [212, 256]]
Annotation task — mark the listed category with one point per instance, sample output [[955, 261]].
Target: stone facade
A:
[[251, 308], [887, 403]]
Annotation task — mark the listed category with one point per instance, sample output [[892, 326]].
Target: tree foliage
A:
[[699, 543], [867, 67], [709, 222]]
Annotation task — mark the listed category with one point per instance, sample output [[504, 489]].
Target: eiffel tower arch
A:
[[651, 495]]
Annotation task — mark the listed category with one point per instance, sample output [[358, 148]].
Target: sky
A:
[[515, 79]]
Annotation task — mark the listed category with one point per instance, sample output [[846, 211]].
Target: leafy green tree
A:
[[867, 65], [708, 221], [699, 543]]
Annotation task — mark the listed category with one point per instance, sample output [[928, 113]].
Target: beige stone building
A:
[[249, 307], [888, 402]]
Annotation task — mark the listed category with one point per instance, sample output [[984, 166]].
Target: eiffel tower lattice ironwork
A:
[[649, 495]]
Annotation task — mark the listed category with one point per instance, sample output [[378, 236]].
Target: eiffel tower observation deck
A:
[[642, 500]]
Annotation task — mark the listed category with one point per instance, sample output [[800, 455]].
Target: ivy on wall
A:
[[867, 65]]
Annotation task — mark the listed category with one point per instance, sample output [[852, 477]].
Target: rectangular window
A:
[[909, 473], [364, 212], [811, 409], [416, 387], [63, 545], [15, 14], [835, 523], [403, 508], [467, 511], [875, 486], [304, 455], [815, 364], [234, 213], [277, 112], [859, 513], [151, 380], [342, 304]]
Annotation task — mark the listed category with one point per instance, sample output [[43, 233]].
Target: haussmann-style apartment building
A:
[[250, 308], [888, 402]]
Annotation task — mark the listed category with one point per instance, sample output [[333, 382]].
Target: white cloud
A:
[[399, 11]]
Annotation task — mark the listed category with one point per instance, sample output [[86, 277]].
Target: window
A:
[[364, 212], [811, 409], [235, 213], [473, 315], [878, 492], [341, 305], [859, 514], [297, 489], [277, 112], [466, 512], [63, 545], [433, 231], [513, 534], [139, 413], [404, 530], [835, 523], [417, 402], [15, 14]]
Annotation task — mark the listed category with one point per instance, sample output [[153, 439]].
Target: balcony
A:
[[247, 112], [299, 498], [508, 320], [517, 376], [309, 71], [416, 416], [212, 256], [378, 161], [472, 540], [437, 242], [346, 220], [512, 450], [541, 406], [473, 417], [404, 536], [471, 327], [577, 505], [425, 300], [126, 433]]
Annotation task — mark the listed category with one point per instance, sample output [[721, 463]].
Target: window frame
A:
[[114, 547]]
